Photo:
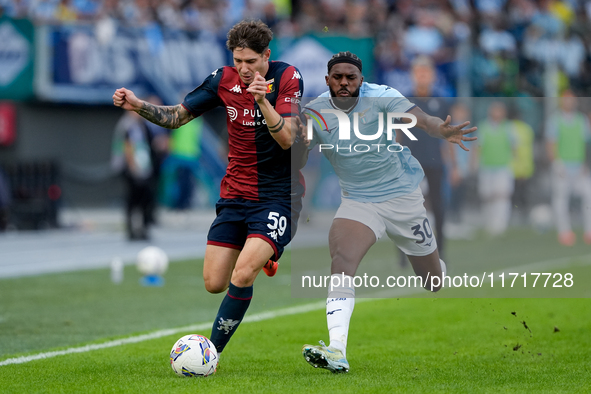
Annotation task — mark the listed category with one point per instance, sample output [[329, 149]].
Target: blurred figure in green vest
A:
[[495, 178], [523, 163], [567, 134], [181, 168]]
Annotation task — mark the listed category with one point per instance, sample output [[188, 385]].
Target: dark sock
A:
[[230, 315]]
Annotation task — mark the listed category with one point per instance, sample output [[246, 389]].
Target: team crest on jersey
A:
[[271, 85], [362, 116]]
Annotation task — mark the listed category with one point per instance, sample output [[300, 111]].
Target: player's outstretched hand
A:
[[126, 99], [301, 130], [258, 87], [457, 134]]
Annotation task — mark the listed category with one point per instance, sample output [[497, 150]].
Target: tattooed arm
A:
[[171, 117]]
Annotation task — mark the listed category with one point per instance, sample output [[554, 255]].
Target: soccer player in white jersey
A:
[[380, 193]]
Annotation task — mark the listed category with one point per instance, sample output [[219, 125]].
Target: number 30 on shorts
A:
[[427, 232], [279, 223]]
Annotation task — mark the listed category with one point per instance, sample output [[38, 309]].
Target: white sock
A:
[[339, 308], [443, 268]]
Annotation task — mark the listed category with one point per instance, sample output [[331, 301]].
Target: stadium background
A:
[[61, 202], [62, 60]]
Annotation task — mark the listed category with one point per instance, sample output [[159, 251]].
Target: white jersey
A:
[[368, 170]]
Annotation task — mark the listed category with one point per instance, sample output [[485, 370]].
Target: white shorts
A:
[[403, 218], [495, 182]]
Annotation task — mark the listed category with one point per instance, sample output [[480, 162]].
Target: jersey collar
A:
[[347, 111]]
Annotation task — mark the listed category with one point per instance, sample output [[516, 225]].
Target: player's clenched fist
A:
[[126, 99], [258, 87]]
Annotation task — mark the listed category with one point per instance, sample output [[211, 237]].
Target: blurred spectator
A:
[[546, 20], [159, 139], [65, 12], [568, 133], [170, 14], [181, 167], [512, 41], [494, 39], [13, 8], [423, 38], [490, 7], [496, 142], [43, 11], [87, 9], [523, 162], [138, 169]]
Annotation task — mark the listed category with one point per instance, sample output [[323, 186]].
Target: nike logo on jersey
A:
[[331, 312]]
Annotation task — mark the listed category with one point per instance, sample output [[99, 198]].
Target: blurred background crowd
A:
[[513, 58], [509, 43]]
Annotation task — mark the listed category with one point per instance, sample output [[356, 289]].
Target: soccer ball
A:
[[193, 355], [152, 261], [540, 218]]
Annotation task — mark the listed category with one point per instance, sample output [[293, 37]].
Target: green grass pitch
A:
[[428, 344]]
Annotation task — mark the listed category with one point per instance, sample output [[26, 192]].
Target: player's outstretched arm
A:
[[439, 128], [170, 117]]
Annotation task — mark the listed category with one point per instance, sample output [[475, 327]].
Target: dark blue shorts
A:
[[238, 219]]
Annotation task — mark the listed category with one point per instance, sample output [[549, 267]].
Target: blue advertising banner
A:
[[83, 64]]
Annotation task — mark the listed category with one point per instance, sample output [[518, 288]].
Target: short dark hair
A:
[[251, 34]]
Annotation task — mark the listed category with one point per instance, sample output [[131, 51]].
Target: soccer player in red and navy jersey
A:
[[261, 192]]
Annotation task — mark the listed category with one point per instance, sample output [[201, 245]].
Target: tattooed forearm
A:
[[170, 117]]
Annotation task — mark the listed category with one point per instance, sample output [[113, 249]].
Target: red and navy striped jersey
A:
[[258, 168]]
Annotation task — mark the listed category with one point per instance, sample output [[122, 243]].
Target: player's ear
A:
[[326, 79], [361, 80], [266, 54]]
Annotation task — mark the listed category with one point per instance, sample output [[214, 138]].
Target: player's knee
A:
[[244, 276], [215, 286]]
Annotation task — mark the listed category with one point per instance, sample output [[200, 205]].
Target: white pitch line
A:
[[162, 333], [294, 310]]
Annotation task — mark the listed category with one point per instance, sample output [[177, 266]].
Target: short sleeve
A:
[[205, 96], [291, 89], [394, 101]]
